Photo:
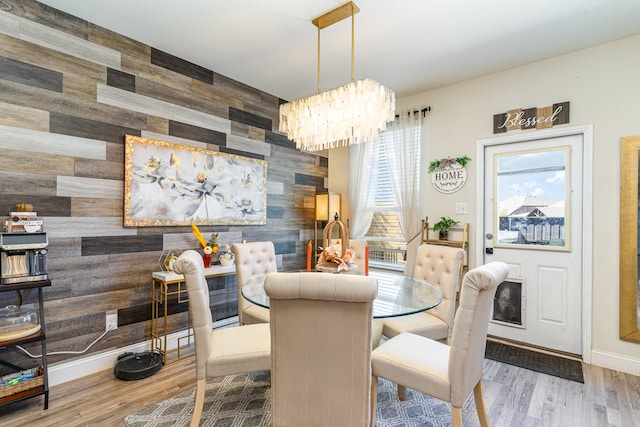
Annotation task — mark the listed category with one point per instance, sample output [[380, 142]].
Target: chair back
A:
[[320, 348], [190, 264], [469, 339], [252, 259], [359, 254], [441, 266]]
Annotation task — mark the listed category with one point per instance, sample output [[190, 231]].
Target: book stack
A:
[[23, 222]]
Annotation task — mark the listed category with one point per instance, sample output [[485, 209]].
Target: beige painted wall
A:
[[602, 85]]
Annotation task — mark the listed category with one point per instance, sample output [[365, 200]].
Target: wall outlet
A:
[[111, 322]]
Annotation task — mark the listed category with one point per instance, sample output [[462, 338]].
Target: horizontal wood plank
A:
[[64, 153]]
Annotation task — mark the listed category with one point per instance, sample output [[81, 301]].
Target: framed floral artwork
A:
[[169, 184]]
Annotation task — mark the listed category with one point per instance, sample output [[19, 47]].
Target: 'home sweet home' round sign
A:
[[449, 175]]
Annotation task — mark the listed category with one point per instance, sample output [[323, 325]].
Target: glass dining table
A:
[[397, 295]]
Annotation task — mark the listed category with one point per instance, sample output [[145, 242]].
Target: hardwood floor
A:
[[514, 397], [100, 399], [517, 397]]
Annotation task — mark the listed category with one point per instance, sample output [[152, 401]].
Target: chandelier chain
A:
[[353, 44]]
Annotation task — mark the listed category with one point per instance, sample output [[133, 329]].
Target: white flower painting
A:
[[168, 184]]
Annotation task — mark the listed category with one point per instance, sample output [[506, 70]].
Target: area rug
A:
[[245, 401], [535, 361]]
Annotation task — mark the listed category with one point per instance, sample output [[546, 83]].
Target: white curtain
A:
[[404, 157], [361, 160]]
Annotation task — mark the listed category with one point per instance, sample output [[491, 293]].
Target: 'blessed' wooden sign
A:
[[531, 118]]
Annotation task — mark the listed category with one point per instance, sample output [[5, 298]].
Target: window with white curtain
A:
[[386, 242]]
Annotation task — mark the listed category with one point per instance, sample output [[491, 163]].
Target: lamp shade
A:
[[327, 205]]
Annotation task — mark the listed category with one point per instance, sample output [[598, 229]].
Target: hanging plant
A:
[[443, 163]]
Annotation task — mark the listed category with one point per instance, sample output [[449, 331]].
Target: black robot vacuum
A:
[[135, 366]]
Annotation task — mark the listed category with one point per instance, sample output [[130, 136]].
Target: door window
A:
[[531, 203]]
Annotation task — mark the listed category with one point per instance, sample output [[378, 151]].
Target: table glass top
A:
[[397, 295]]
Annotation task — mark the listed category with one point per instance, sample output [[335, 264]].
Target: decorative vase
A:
[[206, 259], [226, 256], [444, 234], [227, 259]]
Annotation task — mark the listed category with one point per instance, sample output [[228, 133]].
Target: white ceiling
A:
[[408, 45]]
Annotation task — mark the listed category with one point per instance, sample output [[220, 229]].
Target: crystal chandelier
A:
[[351, 114]]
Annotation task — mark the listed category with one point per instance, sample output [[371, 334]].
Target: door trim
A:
[[586, 131]]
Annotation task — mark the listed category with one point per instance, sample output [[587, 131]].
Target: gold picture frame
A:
[[629, 287], [168, 184]]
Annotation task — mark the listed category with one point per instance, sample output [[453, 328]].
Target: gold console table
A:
[[165, 284]]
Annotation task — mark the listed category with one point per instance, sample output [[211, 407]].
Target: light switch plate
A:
[[462, 208]]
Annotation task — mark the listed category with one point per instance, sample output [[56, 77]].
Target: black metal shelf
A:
[[39, 386]]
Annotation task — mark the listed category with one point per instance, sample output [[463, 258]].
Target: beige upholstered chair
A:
[[321, 348], [359, 250], [223, 351], [252, 259], [440, 266], [446, 372]]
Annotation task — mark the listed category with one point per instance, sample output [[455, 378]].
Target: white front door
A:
[[533, 210]]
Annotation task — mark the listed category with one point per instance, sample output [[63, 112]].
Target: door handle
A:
[[488, 251]]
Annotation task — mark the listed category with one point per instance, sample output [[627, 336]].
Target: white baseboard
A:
[[615, 362], [67, 371]]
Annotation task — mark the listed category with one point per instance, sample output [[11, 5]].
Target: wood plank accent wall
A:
[[69, 93]]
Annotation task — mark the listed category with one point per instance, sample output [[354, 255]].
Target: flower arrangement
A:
[[333, 255], [213, 242], [208, 247]]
